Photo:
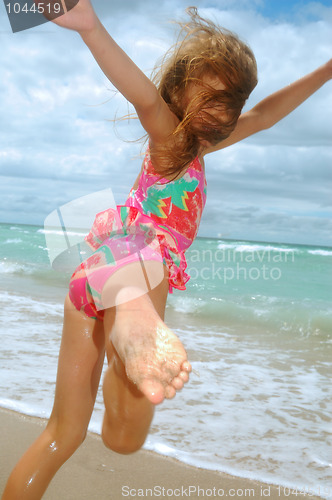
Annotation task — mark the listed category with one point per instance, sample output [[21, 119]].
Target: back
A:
[[175, 205]]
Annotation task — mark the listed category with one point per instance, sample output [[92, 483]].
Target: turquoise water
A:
[[256, 322], [274, 287]]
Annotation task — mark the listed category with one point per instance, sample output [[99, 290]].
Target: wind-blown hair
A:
[[202, 49]]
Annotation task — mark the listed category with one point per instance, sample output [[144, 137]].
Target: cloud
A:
[[58, 141]]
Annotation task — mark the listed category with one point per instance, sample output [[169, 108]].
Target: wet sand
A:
[[94, 472]]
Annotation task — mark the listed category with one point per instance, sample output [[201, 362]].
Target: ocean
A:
[[256, 320]]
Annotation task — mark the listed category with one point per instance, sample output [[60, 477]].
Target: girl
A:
[[192, 109]]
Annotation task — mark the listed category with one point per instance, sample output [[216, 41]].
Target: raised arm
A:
[[276, 106], [134, 85]]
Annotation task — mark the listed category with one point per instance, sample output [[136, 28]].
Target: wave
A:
[[60, 232], [8, 267], [272, 315], [35, 306], [245, 247], [11, 241], [23, 408], [324, 253]]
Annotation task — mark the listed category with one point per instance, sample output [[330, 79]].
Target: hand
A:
[[79, 15]]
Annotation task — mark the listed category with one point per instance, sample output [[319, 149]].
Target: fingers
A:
[[52, 9]]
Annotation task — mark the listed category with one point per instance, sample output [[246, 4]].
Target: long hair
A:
[[202, 49]]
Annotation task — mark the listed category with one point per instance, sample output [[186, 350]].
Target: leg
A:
[[147, 362], [80, 364], [128, 414]]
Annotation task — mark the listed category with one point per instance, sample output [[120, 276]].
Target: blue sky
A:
[[287, 10], [58, 141]]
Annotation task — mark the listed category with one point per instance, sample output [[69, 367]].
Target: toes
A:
[[184, 376], [154, 391], [171, 368], [186, 366], [177, 383], [169, 392]]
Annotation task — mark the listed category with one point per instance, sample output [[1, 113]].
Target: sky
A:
[[59, 141]]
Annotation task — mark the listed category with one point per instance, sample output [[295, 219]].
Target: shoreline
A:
[[94, 472]]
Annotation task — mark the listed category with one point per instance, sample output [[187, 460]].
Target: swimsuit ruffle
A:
[[128, 220]]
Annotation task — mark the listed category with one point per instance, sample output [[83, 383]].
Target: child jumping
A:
[[191, 109]]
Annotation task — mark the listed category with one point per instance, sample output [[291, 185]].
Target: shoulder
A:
[[249, 123], [201, 160]]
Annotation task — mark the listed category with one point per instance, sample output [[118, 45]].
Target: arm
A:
[[153, 112], [276, 106]]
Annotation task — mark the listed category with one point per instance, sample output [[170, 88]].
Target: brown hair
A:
[[202, 49]]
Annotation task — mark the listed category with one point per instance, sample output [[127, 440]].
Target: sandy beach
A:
[[95, 472]]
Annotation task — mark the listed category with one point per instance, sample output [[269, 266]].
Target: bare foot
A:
[[154, 358]]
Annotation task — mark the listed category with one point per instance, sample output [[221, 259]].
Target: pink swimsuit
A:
[[157, 224]]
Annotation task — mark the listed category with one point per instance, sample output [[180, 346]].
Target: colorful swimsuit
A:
[[157, 224]]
